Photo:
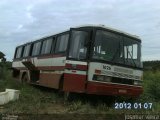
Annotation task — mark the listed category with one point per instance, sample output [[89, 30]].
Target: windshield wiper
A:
[[131, 57]]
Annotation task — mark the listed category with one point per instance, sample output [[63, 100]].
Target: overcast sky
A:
[[25, 20]]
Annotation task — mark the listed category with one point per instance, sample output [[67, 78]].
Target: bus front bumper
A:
[[113, 89]]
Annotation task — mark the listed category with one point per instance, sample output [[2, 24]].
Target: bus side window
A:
[[26, 50], [46, 46], [19, 52], [61, 44], [53, 45], [78, 48], [36, 48]]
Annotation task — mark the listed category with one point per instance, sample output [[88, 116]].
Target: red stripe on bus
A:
[[74, 83], [43, 68], [77, 67], [112, 89]]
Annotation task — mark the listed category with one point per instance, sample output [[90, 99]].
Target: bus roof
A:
[[99, 26], [87, 25], [109, 28]]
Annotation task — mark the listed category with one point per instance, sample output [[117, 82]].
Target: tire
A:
[[25, 79], [61, 84], [67, 96]]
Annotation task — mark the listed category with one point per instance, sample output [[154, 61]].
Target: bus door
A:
[[75, 75]]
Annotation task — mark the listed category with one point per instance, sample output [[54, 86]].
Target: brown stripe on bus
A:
[[49, 56]]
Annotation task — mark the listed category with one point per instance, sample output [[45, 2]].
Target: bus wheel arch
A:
[[25, 78], [67, 95]]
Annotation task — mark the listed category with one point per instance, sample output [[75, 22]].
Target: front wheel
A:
[[67, 96]]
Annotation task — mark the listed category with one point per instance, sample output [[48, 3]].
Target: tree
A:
[[3, 59], [1, 55]]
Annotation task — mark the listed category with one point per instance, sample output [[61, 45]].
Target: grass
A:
[[38, 100]]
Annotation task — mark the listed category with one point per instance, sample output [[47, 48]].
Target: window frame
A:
[[119, 35], [52, 45], [56, 39], [20, 53], [33, 47], [29, 50], [90, 39], [110, 62]]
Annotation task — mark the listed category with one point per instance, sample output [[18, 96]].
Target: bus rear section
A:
[[91, 60], [42, 62]]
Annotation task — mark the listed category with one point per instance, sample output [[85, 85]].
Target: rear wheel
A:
[[25, 78]]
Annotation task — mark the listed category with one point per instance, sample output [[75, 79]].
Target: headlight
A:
[[102, 78], [135, 82], [107, 79], [138, 82]]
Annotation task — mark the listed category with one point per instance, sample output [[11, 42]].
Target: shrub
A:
[[152, 85], [4, 70]]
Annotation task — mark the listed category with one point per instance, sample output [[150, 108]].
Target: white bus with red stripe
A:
[[88, 59]]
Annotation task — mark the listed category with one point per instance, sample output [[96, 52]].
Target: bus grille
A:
[[121, 75], [109, 79], [122, 81]]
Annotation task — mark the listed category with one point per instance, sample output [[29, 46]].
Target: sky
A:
[[22, 21]]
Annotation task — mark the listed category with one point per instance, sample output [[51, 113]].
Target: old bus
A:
[[91, 59]]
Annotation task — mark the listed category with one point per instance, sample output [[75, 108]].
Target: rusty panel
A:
[[112, 89], [74, 83], [50, 80]]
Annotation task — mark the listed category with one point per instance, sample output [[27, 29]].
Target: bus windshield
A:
[[116, 48]]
